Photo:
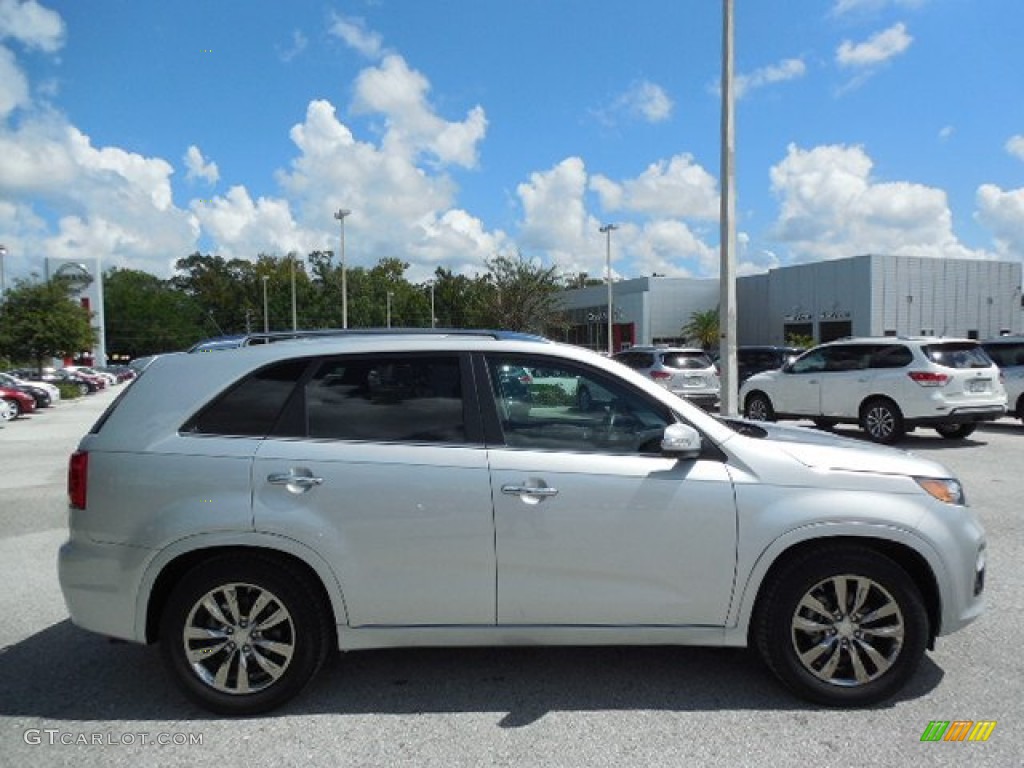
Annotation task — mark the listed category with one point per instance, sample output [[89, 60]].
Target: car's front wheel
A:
[[758, 407], [956, 431], [8, 410], [243, 634], [882, 420], [842, 626]]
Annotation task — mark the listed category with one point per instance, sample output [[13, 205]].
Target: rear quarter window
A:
[[251, 407]]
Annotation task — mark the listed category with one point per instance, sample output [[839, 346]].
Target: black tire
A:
[[83, 389], [826, 659], [758, 407], [956, 431], [15, 408], [1020, 408], [882, 420], [825, 424], [277, 604]]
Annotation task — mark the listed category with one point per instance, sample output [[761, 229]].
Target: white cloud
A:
[[1003, 213], [13, 84], [198, 167], [643, 100], [31, 24], [946, 132], [831, 207], [294, 48], [679, 187], [878, 49], [243, 227], [1015, 146], [788, 69], [355, 35]]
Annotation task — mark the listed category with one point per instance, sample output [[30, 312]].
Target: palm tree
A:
[[703, 328]]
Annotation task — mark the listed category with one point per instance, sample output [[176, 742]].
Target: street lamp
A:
[[433, 317], [3, 280], [266, 317], [389, 308], [607, 230], [340, 215], [295, 313]]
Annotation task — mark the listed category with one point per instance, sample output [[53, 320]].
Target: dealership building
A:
[[869, 295]]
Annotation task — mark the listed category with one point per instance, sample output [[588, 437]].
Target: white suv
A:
[[887, 385], [254, 509]]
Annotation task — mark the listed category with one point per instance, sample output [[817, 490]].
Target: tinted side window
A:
[[811, 362], [891, 356], [387, 398], [251, 407]]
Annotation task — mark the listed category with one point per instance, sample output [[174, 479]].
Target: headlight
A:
[[945, 489]]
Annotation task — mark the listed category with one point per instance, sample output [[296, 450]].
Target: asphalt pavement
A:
[[70, 697]]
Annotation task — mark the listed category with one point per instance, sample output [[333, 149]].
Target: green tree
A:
[[40, 320], [146, 315], [519, 295], [702, 328]]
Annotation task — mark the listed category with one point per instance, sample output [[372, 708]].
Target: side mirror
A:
[[680, 441]]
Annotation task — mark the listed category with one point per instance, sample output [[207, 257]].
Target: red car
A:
[[14, 403]]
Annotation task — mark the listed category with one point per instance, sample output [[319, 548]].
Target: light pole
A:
[[727, 207], [3, 280], [295, 314], [266, 317], [607, 229], [340, 215], [389, 308], [433, 317]]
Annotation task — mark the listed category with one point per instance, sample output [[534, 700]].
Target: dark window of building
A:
[[834, 329], [889, 332], [972, 334], [251, 407], [387, 398], [804, 330]]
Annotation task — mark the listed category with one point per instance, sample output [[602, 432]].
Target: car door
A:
[[797, 389], [592, 525], [846, 380], [377, 466]]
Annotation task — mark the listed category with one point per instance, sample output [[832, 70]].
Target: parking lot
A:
[[67, 696]]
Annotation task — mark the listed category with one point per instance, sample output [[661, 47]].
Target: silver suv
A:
[[254, 510], [683, 371], [1008, 353], [887, 385]]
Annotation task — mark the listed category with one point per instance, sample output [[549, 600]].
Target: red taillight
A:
[[78, 476], [929, 378], [660, 375]]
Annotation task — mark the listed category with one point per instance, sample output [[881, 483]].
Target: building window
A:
[[972, 334], [889, 333]]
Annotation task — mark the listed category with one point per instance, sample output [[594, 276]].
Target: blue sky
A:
[[140, 132]]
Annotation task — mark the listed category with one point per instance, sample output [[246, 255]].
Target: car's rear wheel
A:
[[242, 634], [83, 389], [882, 420], [842, 626], [758, 407], [956, 431]]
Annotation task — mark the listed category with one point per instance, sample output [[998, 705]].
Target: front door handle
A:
[[296, 481]]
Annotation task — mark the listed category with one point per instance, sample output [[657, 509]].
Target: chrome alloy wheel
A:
[[847, 630], [239, 638]]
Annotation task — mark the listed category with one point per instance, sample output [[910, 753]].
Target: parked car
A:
[[377, 491], [17, 402], [887, 385], [122, 373], [40, 391], [108, 379], [1008, 353], [50, 389], [84, 384], [755, 359], [686, 372]]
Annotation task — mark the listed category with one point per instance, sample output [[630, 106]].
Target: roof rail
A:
[[271, 337]]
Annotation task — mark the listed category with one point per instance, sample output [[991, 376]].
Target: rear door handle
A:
[[526, 490], [296, 481]]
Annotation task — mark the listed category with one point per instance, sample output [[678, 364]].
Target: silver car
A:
[[253, 510], [684, 371]]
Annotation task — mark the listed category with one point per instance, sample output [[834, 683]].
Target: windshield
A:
[[686, 360]]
